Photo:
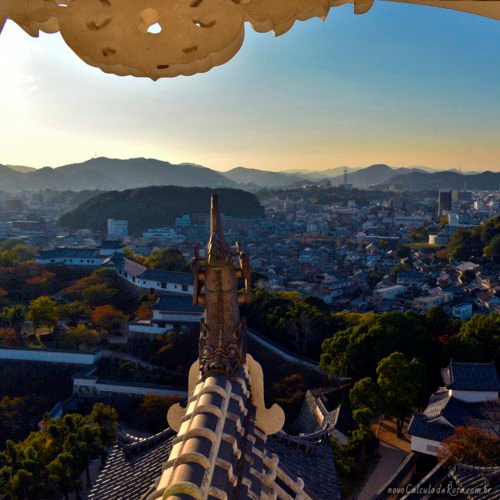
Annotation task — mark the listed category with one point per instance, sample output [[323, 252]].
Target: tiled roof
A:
[[342, 420], [219, 431], [315, 467], [455, 412], [420, 427], [130, 267], [111, 244], [471, 377], [135, 463], [481, 483], [168, 276], [181, 303], [132, 466], [69, 253], [450, 408]]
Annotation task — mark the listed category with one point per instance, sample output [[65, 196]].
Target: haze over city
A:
[[405, 86]]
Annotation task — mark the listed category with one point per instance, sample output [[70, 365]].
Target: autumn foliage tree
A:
[[108, 318], [102, 287], [43, 312], [471, 446], [79, 337]]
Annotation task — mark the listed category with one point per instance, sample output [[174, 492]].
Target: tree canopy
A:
[[471, 446], [483, 240], [50, 461], [43, 312]]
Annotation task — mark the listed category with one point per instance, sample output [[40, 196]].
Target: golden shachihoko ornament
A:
[[166, 38]]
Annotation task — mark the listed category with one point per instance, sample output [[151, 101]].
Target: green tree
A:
[[398, 387], [492, 250], [43, 312], [356, 351], [477, 341], [363, 433], [74, 312], [62, 472], [365, 394], [170, 259], [98, 295], [14, 315], [13, 252], [107, 419]]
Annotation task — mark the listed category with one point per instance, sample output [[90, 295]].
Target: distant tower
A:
[[444, 202], [345, 184]]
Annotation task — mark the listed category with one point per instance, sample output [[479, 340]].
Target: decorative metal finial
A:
[[222, 347]]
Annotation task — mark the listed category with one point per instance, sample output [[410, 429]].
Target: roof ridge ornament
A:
[[117, 37], [222, 345]]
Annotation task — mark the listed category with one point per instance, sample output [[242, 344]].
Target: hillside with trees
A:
[[157, 207], [481, 241]]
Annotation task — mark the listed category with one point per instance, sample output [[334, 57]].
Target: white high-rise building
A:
[[117, 229]]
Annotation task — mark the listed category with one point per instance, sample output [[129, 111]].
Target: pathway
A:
[[392, 451]]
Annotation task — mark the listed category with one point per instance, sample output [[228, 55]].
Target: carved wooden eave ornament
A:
[[166, 38]]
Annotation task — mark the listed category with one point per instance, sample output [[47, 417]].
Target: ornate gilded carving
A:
[[222, 346]]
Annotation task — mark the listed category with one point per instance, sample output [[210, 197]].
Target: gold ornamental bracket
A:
[[167, 38]]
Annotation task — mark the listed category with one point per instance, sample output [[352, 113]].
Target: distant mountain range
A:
[[253, 178], [111, 174], [444, 180], [379, 175]]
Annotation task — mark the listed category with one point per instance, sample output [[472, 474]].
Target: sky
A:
[[403, 85]]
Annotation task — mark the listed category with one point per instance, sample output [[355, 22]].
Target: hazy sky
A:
[[403, 85]]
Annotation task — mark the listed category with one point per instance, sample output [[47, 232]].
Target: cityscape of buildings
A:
[[356, 252]]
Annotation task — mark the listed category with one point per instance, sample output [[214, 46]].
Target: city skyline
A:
[[416, 87]]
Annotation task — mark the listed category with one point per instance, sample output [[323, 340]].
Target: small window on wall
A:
[[432, 448], [184, 288]]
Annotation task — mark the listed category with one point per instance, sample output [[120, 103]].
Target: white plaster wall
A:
[[150, 329], [71, 262], [125, 389], [177, 318], [420, 445], [474, 396], [49, 356]]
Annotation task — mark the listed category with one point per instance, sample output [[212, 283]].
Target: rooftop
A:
[[471, 377], [181, 303]]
